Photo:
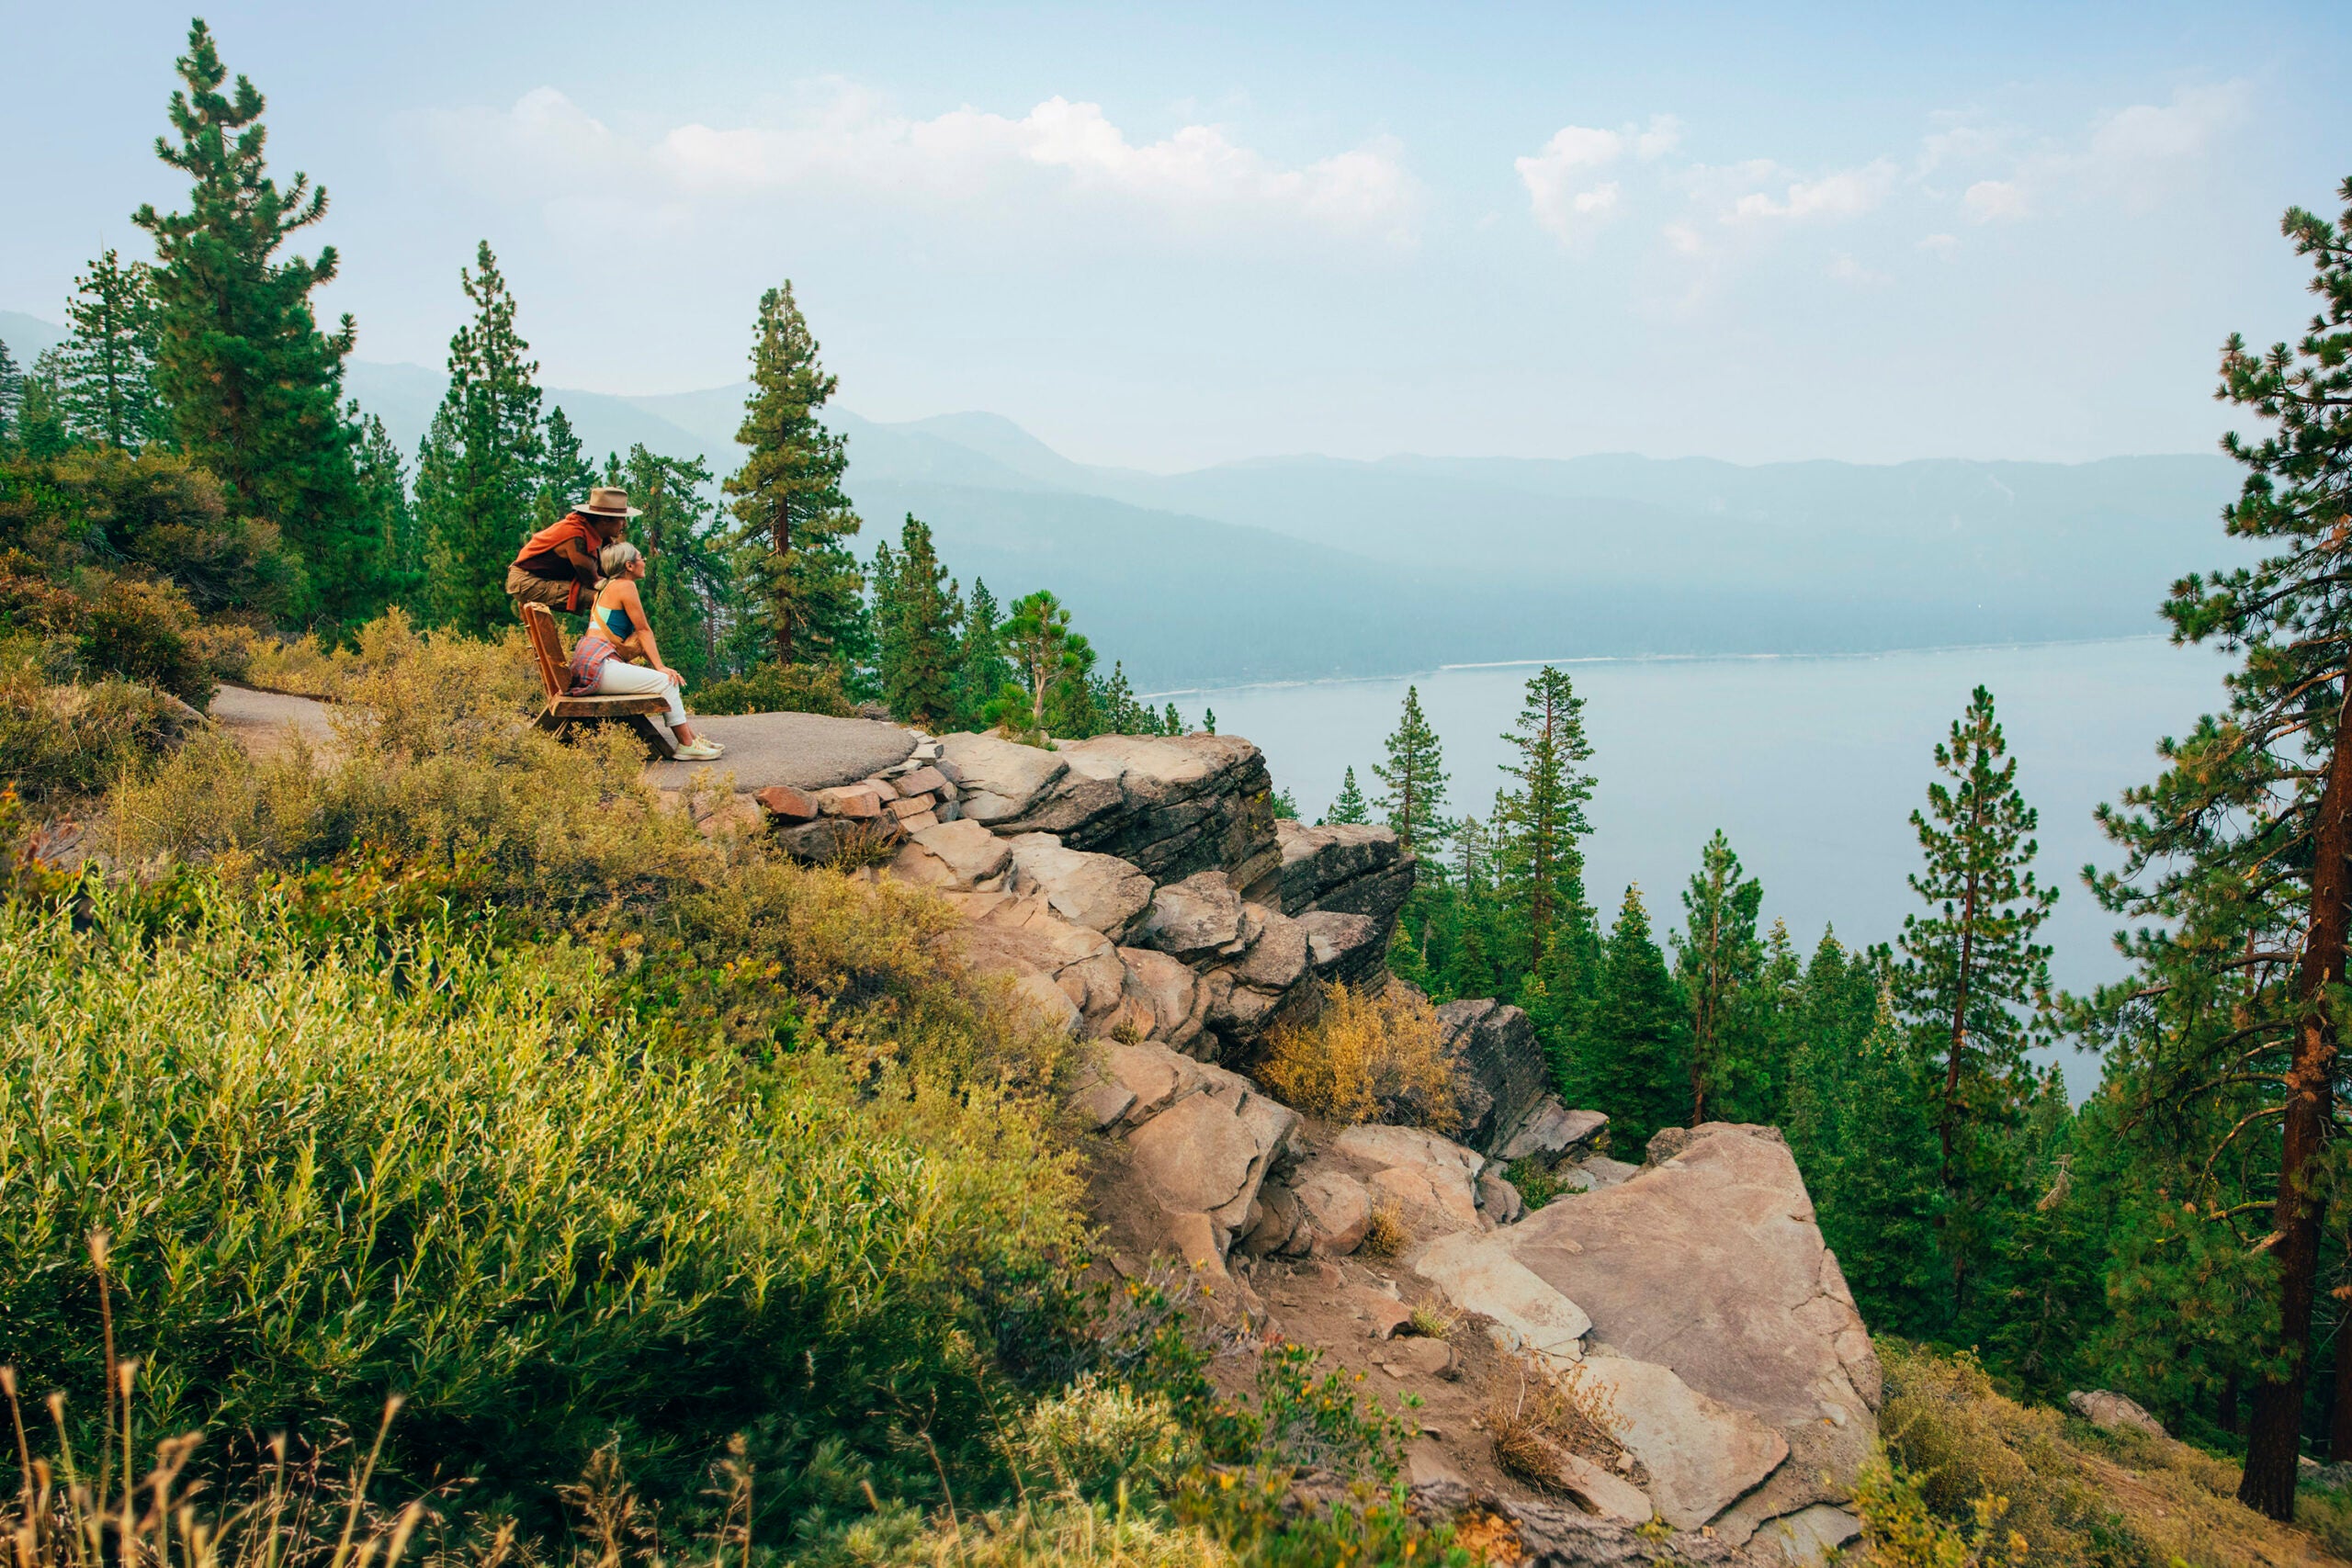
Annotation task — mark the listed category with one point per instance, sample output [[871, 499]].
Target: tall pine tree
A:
[[566, 475], [915, 631], [108, 368], [12, 396], [1539, 825], [805, 595], [478, 473], [1413, 781], [1974, 981], [254, 388], [384, 496], [2242, 847], [1050, 663]]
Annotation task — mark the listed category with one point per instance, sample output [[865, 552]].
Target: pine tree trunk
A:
[[2273, 1438], [780, 595]]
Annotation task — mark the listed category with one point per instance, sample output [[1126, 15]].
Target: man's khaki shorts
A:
[[525, 588]]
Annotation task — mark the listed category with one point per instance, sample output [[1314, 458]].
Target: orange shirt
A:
[[542, 553]]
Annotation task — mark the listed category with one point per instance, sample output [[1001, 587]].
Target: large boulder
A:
[[1500, 1073], [1708, 1263], [1172, 805], [1346, 868], [2114, 1412]]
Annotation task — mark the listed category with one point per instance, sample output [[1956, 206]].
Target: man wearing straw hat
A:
[[559, 562]]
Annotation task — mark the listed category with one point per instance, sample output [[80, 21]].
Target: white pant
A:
[[623, 679]]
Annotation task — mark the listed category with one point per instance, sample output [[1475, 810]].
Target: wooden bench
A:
[[564, 710]]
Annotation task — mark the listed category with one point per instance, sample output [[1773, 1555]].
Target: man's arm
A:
[[584, 566]]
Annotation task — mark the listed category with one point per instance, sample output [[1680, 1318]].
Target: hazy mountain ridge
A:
[[1304, 567]]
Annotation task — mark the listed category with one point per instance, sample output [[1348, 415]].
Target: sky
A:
[[1173, 236]]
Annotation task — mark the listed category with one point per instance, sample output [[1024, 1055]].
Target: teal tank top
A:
[[615, 621]]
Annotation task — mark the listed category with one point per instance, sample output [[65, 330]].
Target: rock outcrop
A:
[[1345, 868], [1173, 806]]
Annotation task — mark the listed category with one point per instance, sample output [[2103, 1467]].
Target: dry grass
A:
[[1367, 1056], [1386, 1235], [2073, 1494], [1536, 1416]]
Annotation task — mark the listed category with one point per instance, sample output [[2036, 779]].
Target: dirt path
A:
[[805, 750], [264, 722]]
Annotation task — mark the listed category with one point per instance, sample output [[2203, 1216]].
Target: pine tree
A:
[[478, 473], [1047, 658], [1721, 963], [384, 496], [565, 475], [42, 432], [1636, 1064], [1538, 827], [916, 614], [1774, 1015], [107, 378], [2240, 852], [252, 385], [1349, 806], [1860, 1134], [1972, 966], [1208, 721], [12, 396], [1413, 781], [1171, 722], [1122, 712], [983, 668], [806, 594]]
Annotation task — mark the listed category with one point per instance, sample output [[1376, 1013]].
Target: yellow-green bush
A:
[[1368, 1055], [797, 688], [337, 1170]]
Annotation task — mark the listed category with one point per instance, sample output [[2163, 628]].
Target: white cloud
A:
[[1683, 238], [1846, 269], [2145, 150], [1938, 245], [1566, 199], [1845, 194], [1664, 135], [1989, 201], [1062, 149]]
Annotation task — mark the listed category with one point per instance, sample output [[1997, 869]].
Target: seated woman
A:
[[617, 632]]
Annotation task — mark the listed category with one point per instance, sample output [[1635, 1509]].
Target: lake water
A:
[[1813, 766]]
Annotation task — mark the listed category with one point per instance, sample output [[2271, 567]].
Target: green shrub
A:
[[775, 688], [104, 507], [403, 1162]]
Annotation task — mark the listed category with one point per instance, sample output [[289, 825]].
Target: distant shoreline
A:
[[1585, 658]]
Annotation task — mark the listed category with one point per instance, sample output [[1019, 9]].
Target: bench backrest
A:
[[547, 647]]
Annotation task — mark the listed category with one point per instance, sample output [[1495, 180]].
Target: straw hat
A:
[[605, 502]]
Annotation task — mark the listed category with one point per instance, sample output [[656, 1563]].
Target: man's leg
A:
[[525, 588]]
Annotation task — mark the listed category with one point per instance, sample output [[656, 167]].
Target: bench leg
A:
[[650, 733]]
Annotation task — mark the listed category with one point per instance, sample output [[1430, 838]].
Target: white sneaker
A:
[[701, 751]]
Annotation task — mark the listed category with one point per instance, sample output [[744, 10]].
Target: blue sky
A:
[[1173, 236]]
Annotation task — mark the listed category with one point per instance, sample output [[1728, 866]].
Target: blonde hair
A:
[[616, 558]]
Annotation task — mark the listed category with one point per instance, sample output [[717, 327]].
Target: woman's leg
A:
[[636, 681]]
